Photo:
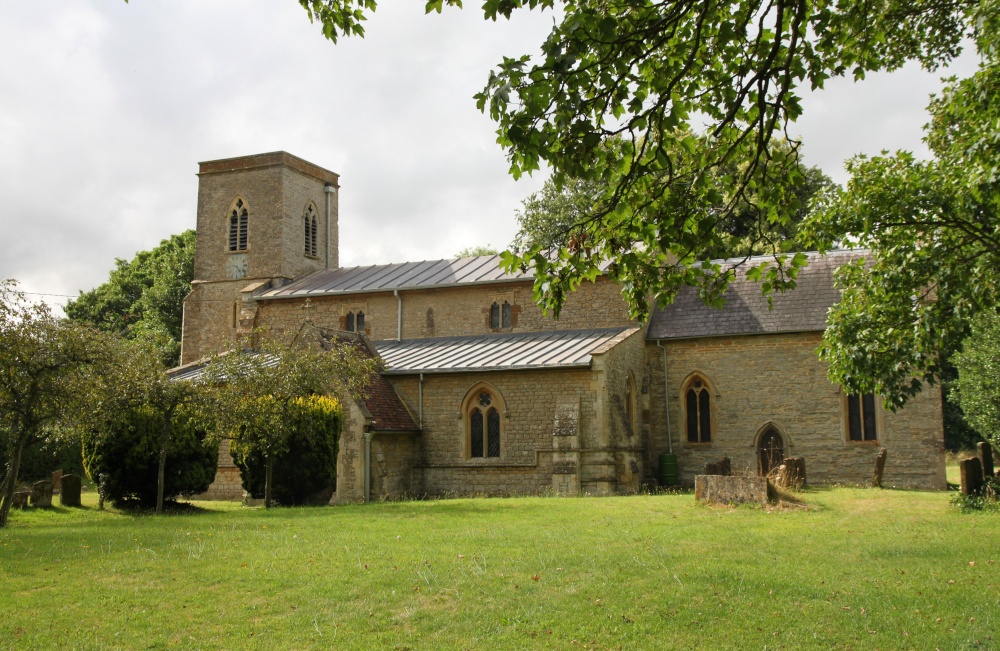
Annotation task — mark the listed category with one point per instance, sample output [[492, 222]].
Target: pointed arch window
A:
[[697, 401], [484, 427], [239, 216], [309, 224]]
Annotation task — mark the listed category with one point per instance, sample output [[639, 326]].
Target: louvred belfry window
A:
[[309, 224], [238, 226]]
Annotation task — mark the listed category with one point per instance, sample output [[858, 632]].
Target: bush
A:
[[989, 500], [309, 463], [129, 454]]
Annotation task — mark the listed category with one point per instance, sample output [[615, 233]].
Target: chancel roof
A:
[[746, 312], [499, 352]]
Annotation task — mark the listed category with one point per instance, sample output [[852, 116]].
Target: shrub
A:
[[989, 500], [128, 455], [308, 464]]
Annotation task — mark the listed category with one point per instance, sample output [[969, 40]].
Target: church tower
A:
[[262, 221]]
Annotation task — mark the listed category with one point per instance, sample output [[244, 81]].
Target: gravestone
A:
[[56, 481], [985, 451], [792, 473], [70, 495], [718, 489], [722, 467], [20, 500], [41, 494], [879, 468], [972, 476]]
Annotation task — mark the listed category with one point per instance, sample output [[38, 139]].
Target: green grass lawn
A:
[[857, 569]]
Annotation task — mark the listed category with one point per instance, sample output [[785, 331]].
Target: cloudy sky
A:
[[106, 109]]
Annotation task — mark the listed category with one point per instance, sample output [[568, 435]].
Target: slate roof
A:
[[746, 312], [478, 270], [499, 352]]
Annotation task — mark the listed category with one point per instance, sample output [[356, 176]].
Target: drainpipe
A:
[[666, 397], [420, 401], [399, 315], [328, 189], [368, 466]]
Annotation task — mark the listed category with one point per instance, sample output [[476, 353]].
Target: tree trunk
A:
[[10, 481], [269, 464], [161, 471]]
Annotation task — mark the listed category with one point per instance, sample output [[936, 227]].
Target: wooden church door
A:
[[770, 451]]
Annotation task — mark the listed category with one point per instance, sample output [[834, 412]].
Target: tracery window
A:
[[698, 410], [861, 417], [484, 427], [309, 224], [239, 216]]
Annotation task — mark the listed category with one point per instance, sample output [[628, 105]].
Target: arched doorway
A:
[[770, 450]]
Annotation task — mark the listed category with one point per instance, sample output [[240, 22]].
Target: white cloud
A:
[[107, 109]]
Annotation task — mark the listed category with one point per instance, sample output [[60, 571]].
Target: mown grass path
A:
[[859, 569]]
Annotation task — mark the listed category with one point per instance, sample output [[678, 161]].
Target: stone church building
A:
[[482, 394]]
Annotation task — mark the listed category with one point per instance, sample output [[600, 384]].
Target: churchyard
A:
[[849, 569]]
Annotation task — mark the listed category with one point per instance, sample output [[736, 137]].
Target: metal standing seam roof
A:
[[499, 352], [746, 312], [478, 270]]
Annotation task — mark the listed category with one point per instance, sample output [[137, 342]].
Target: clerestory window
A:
[[500, 315]]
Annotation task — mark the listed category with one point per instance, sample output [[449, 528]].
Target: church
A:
[[482, 394]]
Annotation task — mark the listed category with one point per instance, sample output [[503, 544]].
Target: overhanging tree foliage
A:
[[142, 298], [933, 229], [622, 88], [978, 385], [257, 392], [43, 363]]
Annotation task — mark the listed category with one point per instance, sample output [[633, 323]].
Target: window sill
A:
[[868, 444], [697, 444]]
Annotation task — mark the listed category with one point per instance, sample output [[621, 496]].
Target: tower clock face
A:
[[237, 266]]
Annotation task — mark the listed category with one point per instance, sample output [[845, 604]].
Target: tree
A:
[[42, 369], [933, 230], [473, 251], [622, 89], [257, 392], [978, 385], [142, 298], [551, 219], [134, 387]]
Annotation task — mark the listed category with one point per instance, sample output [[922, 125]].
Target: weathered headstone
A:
[[972, 476], [718, 489], [879, 468], [57, 481], [721, 467], [792, 473], [70, 495], [985, 451], [41, 494], [20, 500]]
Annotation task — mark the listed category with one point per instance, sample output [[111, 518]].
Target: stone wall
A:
[[276, 188], [454, 311], [777, 381]]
